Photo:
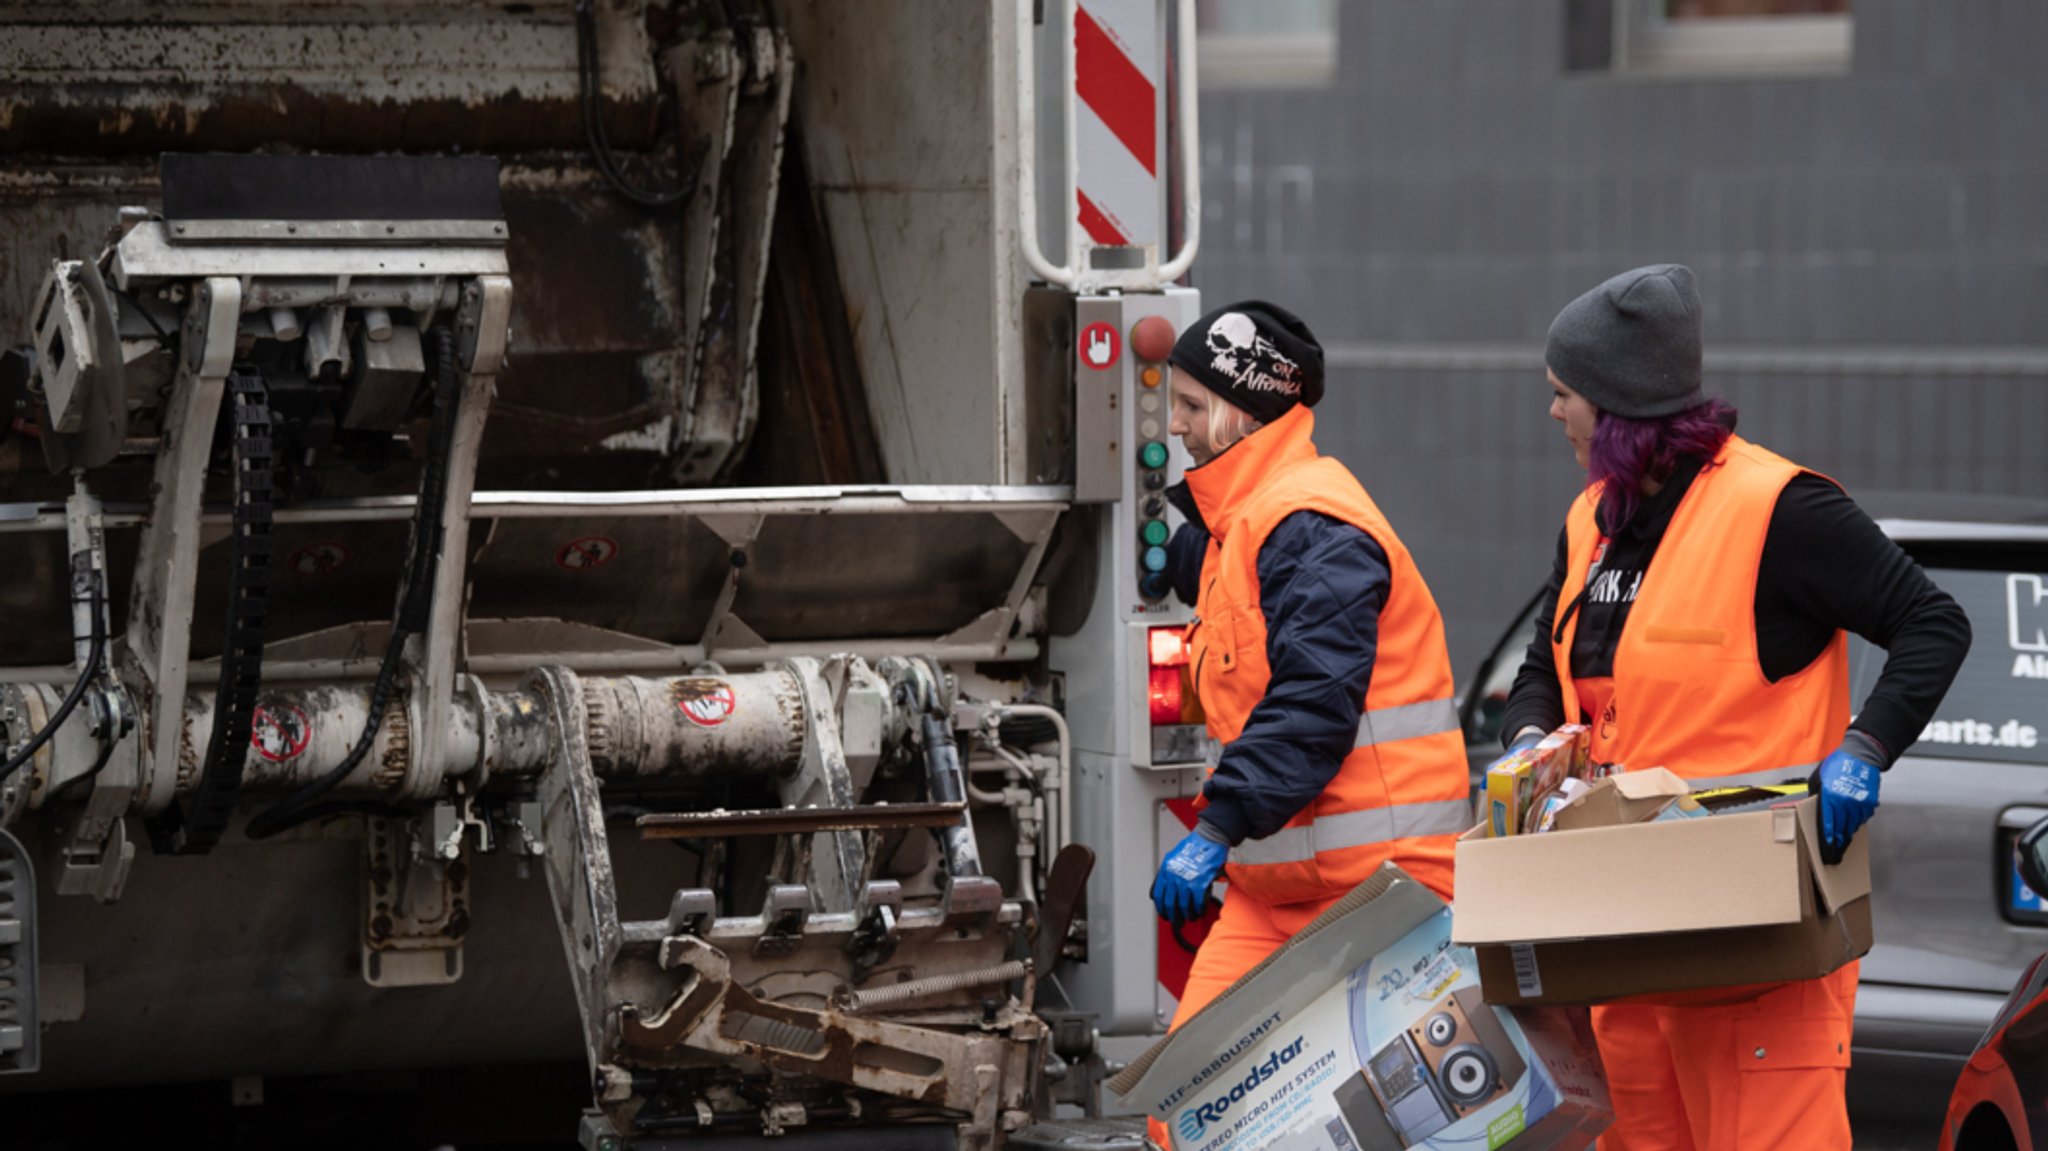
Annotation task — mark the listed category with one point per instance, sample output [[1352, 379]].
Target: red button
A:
[[1152, 338]]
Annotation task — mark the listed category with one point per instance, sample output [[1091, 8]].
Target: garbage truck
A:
[[631, 527]]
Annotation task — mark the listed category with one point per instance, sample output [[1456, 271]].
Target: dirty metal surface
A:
[[416, 911], [597, 319], [655, 570], [784, 821], [974, 1074], [368, 75], [695, 729], [1122, 1133]]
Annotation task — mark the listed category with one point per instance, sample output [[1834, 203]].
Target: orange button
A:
[[1150, 376]]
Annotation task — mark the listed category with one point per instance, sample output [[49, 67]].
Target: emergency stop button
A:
[[1152, 339]]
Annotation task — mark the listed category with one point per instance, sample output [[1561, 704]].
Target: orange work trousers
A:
[[1768, 1072], [1245, 933]]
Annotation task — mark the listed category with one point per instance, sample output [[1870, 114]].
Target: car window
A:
[[1997, 708], [1486, 705]]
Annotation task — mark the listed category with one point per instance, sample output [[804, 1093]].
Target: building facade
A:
[[1861, 186]]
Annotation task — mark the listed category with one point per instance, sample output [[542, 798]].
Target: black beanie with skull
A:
[[1257, 355]]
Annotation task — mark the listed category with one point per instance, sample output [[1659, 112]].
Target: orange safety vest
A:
[[1689, 692], [1402, 794]]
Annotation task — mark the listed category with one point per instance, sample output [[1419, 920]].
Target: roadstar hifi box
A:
[[1660, 911], [1367, 1032]]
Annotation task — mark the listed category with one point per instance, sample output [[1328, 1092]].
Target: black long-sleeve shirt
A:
[[1825, 567]]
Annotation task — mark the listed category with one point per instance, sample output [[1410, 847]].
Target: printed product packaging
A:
[[1518, 786], [1366, 1032]]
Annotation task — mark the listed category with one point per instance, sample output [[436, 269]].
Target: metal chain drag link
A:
[[194, 829]]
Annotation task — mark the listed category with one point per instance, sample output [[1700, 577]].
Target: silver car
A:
[[1955, 924]]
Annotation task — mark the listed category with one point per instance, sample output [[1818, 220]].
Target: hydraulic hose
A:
[[415, 605], [590, 79], [96, 595]]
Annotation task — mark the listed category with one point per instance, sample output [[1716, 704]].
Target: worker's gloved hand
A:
[[1181, 890], [1847, 784], [1527, 738]]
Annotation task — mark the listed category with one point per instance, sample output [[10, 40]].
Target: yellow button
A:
[[1150, 376]]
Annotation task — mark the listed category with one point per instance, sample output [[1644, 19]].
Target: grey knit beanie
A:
[[1632, 345]]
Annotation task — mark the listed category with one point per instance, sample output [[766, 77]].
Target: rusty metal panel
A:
[[904, 179], [368, 75], [656, 578], [835, 578], [596, 327]]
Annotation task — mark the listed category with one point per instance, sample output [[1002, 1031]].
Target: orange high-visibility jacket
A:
[[1688, 690], [1402, 793]]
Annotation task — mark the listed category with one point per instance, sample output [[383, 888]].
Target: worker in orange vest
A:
[[1696, 619], [1317, 653]]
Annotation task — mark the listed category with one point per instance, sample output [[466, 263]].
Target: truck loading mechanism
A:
[[801, 959], [383, 586]]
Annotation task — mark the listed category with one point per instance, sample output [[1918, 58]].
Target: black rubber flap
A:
[[225, 186]]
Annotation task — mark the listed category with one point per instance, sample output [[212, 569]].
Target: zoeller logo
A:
[[1196, 1120], [2026, 605]]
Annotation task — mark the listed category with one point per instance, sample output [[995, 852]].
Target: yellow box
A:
[[1510, 785]]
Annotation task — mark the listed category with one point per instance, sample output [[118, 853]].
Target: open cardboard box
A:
[[1660, 911], [1367, 1032], [1616, 800]]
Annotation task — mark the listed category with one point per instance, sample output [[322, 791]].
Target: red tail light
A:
[[1165, 694], [1169, 647], [1169, 686]]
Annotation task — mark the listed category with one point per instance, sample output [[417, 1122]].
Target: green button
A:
[[1155, 532], [1153, 455]]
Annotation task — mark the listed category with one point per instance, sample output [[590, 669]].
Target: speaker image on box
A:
[[1395, 1091], [1467, 1051], [1454, 1061]]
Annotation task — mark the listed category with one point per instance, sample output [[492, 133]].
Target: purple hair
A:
[[1625, 452]]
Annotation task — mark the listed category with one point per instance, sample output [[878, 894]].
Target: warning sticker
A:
[[279, 732], [585, 553], [1099, 346], [324, 558], [705, 702]]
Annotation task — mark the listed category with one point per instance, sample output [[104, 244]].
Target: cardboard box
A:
[[1632, 797], [1662, 911], [1367, 1032]]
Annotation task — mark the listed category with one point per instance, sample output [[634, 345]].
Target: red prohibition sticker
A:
[[586, 553], [279, 732], [324, 558], [1100, 346], [705, 702]]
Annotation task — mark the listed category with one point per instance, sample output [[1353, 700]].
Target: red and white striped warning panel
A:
[[1116, 76]]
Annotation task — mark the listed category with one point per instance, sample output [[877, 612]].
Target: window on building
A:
[[1740, 36], [1710, 37], [1266, 43]]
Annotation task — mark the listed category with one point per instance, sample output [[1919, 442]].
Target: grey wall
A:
[[1872, 249]]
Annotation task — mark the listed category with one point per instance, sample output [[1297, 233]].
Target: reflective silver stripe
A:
[[1409, 721], [1384, 725], [1791, 773], [1357, 829]]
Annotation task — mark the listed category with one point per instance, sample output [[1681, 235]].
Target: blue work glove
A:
[[1181, 890], [1847, 785], [1527, 738]]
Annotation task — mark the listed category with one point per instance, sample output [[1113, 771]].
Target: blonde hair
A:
[[1228, 423]]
